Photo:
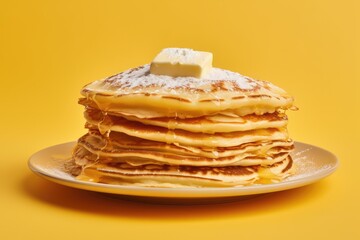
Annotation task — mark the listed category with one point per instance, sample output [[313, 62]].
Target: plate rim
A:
[[182, 192]]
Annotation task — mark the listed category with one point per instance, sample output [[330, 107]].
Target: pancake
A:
[[141, 157], [137, 92], [151, 175], [185, 138], [204, 124], [118, 142], [220, 130]]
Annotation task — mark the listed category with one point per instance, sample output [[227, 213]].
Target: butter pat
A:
[[181, 62]]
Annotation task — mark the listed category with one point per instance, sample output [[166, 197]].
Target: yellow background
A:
[[50, 49]]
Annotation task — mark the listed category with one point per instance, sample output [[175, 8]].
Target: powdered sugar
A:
[[141, 77], [181, 55], [308, 165]]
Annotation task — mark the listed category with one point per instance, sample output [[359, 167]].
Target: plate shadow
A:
[[115, 206]]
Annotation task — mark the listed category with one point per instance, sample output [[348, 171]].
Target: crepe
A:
[[165, 175], [221, 130], [180, 176], [204, 124], [108, 150], [116, 142]]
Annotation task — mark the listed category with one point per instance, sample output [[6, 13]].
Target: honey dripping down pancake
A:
[[181, 122]]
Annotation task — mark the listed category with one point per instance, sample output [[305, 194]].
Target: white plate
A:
[[313, 163]]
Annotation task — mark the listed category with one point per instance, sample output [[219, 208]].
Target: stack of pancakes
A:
[[161, 131]]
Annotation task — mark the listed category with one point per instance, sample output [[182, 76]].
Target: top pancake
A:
[[137, 92]]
